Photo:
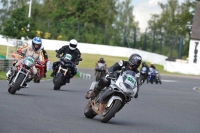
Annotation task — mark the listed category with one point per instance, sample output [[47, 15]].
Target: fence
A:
[[170, 45], [5, 64]]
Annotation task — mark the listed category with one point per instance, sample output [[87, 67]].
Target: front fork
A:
[[20, 71], [59, 71]]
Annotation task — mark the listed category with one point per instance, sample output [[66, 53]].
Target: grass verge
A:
[[89, 60]]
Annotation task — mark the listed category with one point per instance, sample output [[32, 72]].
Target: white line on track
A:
[[195, 88], [169, 80]]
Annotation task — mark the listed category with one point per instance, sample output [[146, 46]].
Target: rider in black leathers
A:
[[132, 64], [152, 66], [46, 58], [147, 70], [74, 52]]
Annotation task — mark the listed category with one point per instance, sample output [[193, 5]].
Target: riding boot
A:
[[45, 75], [53, 73], [10, 72], [136, 95], [92, 93], [28, 80]]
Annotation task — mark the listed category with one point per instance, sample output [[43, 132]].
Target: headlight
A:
[[126, 86]]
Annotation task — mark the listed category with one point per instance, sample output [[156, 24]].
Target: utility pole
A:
[[29, 13]]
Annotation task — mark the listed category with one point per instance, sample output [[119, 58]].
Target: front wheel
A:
[[88, 112], [160, 81], [58, 81], [110, 112], [9, 89], [17, 84]]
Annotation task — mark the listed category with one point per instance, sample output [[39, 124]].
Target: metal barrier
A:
[[5, 64], [85, 76]]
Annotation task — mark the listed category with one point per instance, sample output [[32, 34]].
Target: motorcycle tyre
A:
[[9, 89], [112, 111], [57, 83], [36, 79], [156, 81], [88, 112], [17, 84]]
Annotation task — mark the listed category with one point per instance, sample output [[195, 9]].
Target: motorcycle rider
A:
[[147, 70], [152, 66], [74, 52], [101, 60], [132, 64], [33, 50], [45, 58]]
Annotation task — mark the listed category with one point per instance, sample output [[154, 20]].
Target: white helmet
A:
[[73, 44]]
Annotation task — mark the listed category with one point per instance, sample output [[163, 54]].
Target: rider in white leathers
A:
[[34, 50]]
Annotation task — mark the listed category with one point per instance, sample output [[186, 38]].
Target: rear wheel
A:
[[58, 81], [88, 112], [110, 112], [142, 78], [36, 79], [17, 84]]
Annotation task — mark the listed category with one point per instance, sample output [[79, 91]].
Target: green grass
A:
[[3, 50], [2, 75], [89, 60]]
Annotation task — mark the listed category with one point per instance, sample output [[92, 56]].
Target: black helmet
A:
[[143, 64], [135, 61], [101, 59]]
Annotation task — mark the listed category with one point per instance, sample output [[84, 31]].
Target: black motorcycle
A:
[[158, 77], [63, 71], [143, 74]]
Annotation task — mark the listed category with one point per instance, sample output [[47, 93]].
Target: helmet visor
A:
[[73, 45]]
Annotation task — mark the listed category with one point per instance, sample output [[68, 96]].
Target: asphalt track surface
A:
[[172, 107]]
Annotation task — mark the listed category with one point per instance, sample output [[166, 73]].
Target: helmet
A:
[[73, 44], [135, 61], [143, 64], [36, 41], [101, 59]]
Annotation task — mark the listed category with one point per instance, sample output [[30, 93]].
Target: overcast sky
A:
[[143, 9]]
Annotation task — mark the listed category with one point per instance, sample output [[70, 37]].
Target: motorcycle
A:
[[39, 65], [151, 75], [157, 77], [63, 71], [143, 74], [19, 76], [100, 71], [112, 98]]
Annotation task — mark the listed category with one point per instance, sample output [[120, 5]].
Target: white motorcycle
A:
[[112, 99], [18, 78]]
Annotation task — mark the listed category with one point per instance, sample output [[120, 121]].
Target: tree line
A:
[[109, 22]]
